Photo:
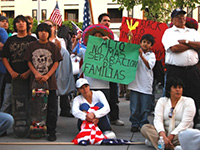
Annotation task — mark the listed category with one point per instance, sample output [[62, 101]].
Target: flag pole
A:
[[91, 11], [56, 20], [38, 13]]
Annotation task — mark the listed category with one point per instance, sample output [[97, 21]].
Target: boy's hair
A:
[[102, 15], [48, 20], [148, 37], [43, 27], [22, 18], [29, 18], [173, 81]]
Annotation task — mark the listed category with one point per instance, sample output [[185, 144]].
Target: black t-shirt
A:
[[14, 50], [43, 56]]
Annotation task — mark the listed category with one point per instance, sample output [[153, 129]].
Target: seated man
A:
[[6, 121]]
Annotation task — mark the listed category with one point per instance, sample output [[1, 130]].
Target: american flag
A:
[[56, 16], [78, 30], [90, 133], [86, 16]]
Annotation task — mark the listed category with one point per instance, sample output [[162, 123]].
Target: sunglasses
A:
[[171, 112]]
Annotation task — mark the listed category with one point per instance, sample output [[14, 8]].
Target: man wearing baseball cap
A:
[[176, 12], [182, 46], [3, 18], [5, 24]]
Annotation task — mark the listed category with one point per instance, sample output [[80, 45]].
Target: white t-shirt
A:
[[97, 96], [94, 83], [171, 37], [144, 76]]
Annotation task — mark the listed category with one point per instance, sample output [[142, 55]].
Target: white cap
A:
[[80, 82]]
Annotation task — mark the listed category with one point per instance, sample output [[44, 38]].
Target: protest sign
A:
[[141, 27], [111, 60]]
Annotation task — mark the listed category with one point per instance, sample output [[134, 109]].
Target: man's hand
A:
[[95, 121], [38, 77], [140, 52], [14, 75], [182, 42], [105, 37], [1, 46], [57, 43], [90, 117], [44, 79], [25, 75]]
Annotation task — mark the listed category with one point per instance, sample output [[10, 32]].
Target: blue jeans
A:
[[6, 121], [1, 83], [103, 124], [7, 100], [140, 106]]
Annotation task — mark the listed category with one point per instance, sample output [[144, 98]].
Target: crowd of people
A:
[[46, 57]]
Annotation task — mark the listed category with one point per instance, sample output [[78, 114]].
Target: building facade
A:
[[73, 10], [70, 10]]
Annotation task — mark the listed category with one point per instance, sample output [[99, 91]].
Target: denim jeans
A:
[[7, 101], [1, 83], [103, 124], [140, 106], [6, 121]]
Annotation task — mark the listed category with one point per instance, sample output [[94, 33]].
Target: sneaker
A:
[[51, 137], [148, 143], [117, 122], [134, 129], [178, 147], [109, 134]]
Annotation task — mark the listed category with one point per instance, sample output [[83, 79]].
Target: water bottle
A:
[[161, 143]]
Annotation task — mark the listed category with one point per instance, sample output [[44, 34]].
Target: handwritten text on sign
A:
[[111, 60]]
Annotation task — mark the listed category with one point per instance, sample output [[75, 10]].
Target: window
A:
[[8, 14], [115, 15], [44, 14], [189, 12], [71, 14], [34, 13], [198, 13]]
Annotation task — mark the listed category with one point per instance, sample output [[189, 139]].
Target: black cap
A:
[[177, 11], [3, 18]]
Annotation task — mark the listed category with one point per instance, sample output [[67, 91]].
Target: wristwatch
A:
[[186, 41]]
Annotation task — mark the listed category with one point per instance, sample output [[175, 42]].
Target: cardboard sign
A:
[[140, 27], [111, 60]]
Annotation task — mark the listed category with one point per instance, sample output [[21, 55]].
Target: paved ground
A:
[[66, 131]]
